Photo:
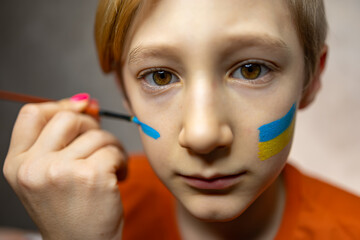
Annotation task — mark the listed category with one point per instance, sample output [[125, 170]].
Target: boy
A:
[[221, 82]]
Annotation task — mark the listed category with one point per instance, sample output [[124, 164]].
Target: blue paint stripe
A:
[[134, 119], [272, 130], [146, 128]]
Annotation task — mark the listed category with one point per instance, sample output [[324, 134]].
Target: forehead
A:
[[209, 23]]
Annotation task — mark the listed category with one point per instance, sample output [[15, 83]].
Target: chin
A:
[[215, 208]]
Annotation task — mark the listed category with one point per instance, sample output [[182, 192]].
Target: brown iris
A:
[[251, 71], [162, 77]]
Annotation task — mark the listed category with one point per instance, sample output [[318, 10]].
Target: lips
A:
[[213, 183]]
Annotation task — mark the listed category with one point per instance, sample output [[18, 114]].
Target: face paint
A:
[[274, 136], [146, 128]]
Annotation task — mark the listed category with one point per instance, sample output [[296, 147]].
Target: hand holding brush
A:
[[65, 168], [92, 109]]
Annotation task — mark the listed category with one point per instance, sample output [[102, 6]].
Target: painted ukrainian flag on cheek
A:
[[274, 136]]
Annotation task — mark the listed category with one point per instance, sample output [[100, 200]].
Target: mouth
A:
[[219, 182]]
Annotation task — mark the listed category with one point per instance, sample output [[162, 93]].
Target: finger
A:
[[31, 120], [110, 159], [89, 142], [29, 123], [62, 129]]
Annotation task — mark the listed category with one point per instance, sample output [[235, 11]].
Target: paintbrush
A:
[[92, 109]]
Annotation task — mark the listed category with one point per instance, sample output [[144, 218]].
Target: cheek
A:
[[264, 134], [276, 135], [267, 171], [161, 113], [163, 152]]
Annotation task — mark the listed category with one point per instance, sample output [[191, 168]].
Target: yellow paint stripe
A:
[[274, 146]]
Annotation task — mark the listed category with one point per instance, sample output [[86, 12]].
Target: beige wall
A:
[[327, 140]]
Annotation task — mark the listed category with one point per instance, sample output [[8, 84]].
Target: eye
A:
[[159, 77], [250, 71]]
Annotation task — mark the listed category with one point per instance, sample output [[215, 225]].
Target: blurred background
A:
[[47, 49]]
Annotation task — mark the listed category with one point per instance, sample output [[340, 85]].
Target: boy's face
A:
[[206, 75]]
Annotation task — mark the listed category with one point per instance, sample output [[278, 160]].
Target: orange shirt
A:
[[314, 209]]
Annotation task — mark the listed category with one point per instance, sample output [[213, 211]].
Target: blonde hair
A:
[[114, 17], [311, 25]]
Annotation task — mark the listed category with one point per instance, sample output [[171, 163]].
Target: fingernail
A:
[[80, 97]]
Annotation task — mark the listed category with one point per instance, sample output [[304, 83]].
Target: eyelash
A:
[[262, 79], [154, 88]]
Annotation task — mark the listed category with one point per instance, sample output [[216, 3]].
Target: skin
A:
[[208, 118], [65, 169]]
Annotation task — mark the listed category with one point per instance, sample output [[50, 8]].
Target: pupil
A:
[[249, 67], [251, 71], [162, 74], [162, 77]]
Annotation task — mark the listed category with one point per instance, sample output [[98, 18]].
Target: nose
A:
[[205, 126]]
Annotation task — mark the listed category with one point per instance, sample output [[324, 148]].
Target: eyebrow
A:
[[228, 45], [263, 41], [140, 52]]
